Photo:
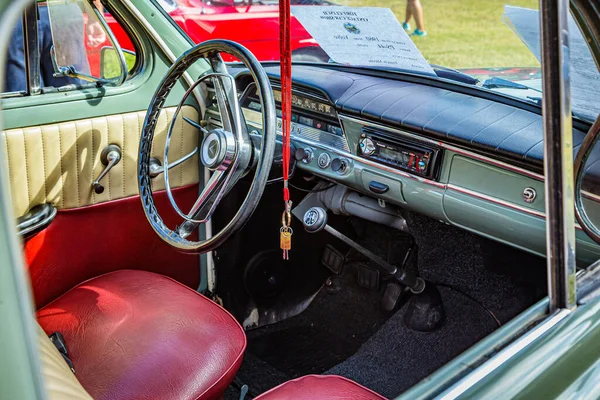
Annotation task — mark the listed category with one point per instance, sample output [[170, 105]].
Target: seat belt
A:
[[285, 58], [61, 345]]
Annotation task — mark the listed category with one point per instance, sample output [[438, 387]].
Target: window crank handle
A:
[[110, 156]]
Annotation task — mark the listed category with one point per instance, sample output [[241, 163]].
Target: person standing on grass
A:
[[414, 9]]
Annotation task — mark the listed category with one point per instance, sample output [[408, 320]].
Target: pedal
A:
[[367, 277], [333, 259], [243, 392], [391, 296]]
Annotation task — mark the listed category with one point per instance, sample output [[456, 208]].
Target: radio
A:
[[418, 159]]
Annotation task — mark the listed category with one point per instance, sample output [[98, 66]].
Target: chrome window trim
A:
[[164, 48], [33, 77], [12, 95], [558, 154], [32, 50], [504, 355]]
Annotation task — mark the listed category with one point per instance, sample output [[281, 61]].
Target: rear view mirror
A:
[[80, 36]]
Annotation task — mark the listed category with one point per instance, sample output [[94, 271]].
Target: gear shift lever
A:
[[425, 311], [315, 220]]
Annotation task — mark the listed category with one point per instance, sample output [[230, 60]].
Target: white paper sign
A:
[[585, 78], [362, 36]]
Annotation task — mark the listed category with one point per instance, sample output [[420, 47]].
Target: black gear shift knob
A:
[[314, 219]]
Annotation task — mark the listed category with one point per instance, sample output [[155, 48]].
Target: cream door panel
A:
[[57, 163]]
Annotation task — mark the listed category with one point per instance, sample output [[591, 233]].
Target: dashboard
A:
[[468, 161]]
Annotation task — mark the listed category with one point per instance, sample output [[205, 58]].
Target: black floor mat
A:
[[395, 358], [258, 375], [500, 279], [347, 333], [324, 335]]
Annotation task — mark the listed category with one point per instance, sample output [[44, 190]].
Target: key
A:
[[285, 240]]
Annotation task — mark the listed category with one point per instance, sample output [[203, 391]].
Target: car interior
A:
[[150, 207]]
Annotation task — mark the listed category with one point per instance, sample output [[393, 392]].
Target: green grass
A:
[[464, 33], [111, 67]]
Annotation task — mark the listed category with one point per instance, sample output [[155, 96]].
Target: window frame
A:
[[32, 56]]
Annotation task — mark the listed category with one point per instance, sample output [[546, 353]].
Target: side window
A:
[[75, 48], [15, 69]]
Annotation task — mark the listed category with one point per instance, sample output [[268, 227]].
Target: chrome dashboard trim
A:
[[495, 200], [439, 185], [446, 146], [372, 163], [461, 151], [314, 96], [356, 158], [505, 203], [392, 130], [591, 196], [450, 147]]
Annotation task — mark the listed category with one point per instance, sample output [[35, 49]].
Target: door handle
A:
[[110, 156], [36, 219]]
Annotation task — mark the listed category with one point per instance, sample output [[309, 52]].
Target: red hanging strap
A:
[[286, 120], [286, 89]]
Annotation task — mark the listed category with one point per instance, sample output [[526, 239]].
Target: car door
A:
[[56, 139]]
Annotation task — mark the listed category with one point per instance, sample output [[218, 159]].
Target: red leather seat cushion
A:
[[140, 335], [320, 387]]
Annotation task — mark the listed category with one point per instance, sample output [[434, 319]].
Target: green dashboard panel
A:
[[495, 182], [472, 192]]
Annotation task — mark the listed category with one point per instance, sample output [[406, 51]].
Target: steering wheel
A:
[[228, 152], [579, 172]]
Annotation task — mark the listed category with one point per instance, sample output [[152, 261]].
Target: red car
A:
[[253, 24]]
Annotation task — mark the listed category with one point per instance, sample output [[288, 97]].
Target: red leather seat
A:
[[140, 335], [320, 387]]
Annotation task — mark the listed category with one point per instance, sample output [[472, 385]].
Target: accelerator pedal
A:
[[391, 296]]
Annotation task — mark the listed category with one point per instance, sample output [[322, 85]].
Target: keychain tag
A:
[[285, 240], [286, 231]]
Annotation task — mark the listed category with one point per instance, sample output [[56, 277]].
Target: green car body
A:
[[537, 355]]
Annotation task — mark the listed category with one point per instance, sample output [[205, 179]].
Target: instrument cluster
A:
[[306, 111]]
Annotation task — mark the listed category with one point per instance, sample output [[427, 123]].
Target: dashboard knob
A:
[[339, 165], [366, 146], [304, 155]]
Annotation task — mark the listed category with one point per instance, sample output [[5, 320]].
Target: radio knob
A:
[[367, 146]]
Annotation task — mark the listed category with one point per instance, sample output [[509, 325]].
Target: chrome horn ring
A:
[[230, 163], [224, 162]]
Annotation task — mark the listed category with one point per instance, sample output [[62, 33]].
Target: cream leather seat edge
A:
[[59, 381]]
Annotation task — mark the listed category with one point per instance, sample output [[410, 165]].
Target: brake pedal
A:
[[367, 277]]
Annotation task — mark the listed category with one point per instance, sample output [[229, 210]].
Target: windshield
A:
[[490, 44]]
